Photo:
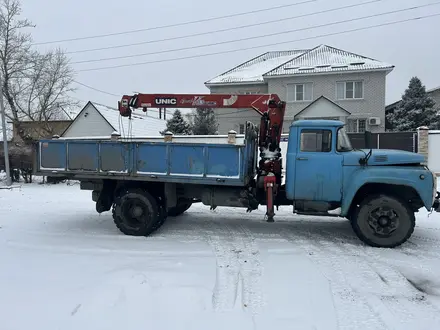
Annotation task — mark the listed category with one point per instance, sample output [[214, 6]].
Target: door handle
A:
[[302, 158]]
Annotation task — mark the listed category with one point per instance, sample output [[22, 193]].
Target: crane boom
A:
[[269, 106]]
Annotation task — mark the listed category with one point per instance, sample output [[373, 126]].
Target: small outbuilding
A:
[[100, 120]]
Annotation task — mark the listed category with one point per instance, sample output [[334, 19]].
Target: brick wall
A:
[[423, 142], [372, 104], [231, 119]]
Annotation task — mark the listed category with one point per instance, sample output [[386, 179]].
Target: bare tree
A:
[[35, 85]]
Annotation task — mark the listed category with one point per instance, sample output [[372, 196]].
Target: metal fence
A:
[[406, 141]]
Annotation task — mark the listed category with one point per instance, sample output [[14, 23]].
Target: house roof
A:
[[254, 69], [137, 126], [318, 60], [140, 125], [393, 105], [433, 89], [322, 97]]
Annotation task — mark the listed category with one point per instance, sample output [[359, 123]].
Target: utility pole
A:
[[5, 136]]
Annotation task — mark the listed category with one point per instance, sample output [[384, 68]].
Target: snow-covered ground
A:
[[63, 266]]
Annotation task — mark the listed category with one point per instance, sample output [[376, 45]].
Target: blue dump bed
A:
[[199, 163]]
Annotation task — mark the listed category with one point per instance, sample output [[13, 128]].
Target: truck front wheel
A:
[[383, 221], [136, 213]]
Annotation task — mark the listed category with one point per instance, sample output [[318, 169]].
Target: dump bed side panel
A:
[[150, 161]]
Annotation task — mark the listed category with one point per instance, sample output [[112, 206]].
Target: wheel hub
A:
[[383, 221], [136, 211]]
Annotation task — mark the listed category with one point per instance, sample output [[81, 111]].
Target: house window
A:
[[241, 129], [349, 90], [356, 125], [316, 140], [299, 92]]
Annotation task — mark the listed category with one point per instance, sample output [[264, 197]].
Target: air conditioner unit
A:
[[374, 121]]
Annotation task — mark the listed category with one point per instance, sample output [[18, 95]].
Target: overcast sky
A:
[[412, 46]]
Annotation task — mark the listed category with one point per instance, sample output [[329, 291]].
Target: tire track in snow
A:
[[251, 270], [227, 267], [426, 242], [373, 285], [238, 263], [352, 309], [402, 298]]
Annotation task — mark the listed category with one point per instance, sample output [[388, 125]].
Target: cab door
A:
[[318, 170]]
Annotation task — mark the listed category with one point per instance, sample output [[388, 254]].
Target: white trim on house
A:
[[323, 73]]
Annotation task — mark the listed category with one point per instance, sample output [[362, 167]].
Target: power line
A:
[[93, 88], [256, 37], [223, 30], [260, 46], [176, 24]]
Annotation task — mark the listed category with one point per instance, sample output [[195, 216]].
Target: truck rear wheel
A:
[[383, 221], [162, 218], [136, 213], [179, 209]]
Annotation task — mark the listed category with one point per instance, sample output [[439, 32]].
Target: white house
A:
[[347, 86], [100, 120]]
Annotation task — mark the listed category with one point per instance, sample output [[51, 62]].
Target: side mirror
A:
[[367, 138]]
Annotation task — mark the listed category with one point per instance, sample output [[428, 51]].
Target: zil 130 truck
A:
[[143, 181]]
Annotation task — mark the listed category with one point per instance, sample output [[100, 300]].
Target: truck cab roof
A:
[[316, 123]]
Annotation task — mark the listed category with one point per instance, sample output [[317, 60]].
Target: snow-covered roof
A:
[[139, 125], [253, 70], [321, 59], [325, 59], [433, 89], [395, 103]]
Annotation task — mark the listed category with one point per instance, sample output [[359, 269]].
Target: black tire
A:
[[142, 224], [383, 221], [179, 209], [162, 218]]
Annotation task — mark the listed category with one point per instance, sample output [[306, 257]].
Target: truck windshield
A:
[[344, 143]]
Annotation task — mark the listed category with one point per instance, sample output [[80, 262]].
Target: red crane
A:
[[269, 106]]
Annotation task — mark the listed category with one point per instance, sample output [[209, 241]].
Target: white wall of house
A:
[[372, 103], [433, 151], [89, 123], [322, 109], [235, 119]]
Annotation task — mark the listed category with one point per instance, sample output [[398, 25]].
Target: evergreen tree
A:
[[204, 122], [415, 109], [177, 125]]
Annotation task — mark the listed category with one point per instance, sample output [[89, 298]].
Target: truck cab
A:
[[378, 190]]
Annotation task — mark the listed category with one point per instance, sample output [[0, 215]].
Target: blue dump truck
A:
[[143, 181]]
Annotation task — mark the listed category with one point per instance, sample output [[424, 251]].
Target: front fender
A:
[[396, 175]]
